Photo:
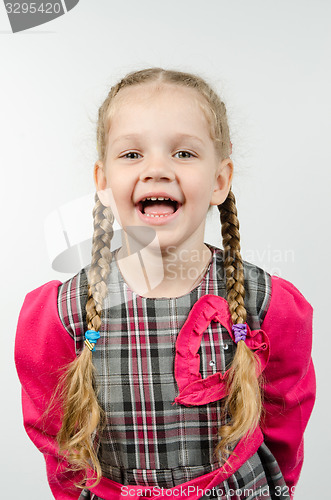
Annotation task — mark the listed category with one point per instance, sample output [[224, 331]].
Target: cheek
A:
[[121, 199], [120, 186], [200, 185]]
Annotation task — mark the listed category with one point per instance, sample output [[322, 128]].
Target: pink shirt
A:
[[43, 348]]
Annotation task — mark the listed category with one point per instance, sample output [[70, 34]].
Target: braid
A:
[[244, 400], [232, 259], [82, 413], [100, 264]]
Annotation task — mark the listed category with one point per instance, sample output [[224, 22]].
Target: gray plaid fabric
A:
[[148, 440]]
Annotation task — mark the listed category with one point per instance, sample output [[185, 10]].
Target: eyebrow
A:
[[190, 137], [177, 137], [125, 137]]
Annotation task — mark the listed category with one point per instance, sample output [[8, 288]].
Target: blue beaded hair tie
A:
[[91, 337], [240, 332]]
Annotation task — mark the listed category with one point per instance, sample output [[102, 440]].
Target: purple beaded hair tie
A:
[[240, 332]]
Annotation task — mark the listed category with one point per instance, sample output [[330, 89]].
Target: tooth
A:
[[157, 216], [154, 198]]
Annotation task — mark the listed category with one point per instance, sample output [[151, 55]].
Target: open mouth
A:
[[158, 206]]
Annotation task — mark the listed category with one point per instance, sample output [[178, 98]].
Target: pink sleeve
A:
[[42, 348], [289, 388]]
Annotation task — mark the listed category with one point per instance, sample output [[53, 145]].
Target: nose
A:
[[157, 168]]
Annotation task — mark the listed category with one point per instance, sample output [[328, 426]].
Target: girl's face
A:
[[159, 146]]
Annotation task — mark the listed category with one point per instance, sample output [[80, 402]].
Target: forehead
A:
[[142, 92], [158, 97]]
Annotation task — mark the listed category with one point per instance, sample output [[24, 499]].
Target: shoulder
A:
[[289, 318], [40, 333], [274, 296], [286, 293], [287, 303], [285, 313], [53, 307], [40, 302], [269, 299]]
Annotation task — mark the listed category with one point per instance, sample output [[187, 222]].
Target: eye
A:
[[184, 154], [131, 155]]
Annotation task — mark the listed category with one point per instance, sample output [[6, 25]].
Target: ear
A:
[[104, 191], [223, 181], [100, 181]]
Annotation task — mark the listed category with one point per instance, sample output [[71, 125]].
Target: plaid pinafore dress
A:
[[148, 440]]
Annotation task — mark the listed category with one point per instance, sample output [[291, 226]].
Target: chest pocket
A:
[[216, 350]]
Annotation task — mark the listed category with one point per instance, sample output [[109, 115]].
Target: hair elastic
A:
[[91, 337], [240, 332]]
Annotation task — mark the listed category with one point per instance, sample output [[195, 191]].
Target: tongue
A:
[[159, 209]]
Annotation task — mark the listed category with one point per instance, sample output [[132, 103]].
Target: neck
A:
[[168, 272]]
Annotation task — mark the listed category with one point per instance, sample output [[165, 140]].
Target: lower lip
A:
[[158, 221]]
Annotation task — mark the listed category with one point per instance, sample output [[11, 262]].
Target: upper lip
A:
[[160, 194]]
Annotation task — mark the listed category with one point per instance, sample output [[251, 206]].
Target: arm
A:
[[42, 349], [289, 385]]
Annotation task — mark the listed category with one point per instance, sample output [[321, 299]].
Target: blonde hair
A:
[[82, 413]]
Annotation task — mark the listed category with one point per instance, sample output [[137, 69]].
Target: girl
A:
[[169, 367]]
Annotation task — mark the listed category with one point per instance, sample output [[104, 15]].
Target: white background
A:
[[270, 60]]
